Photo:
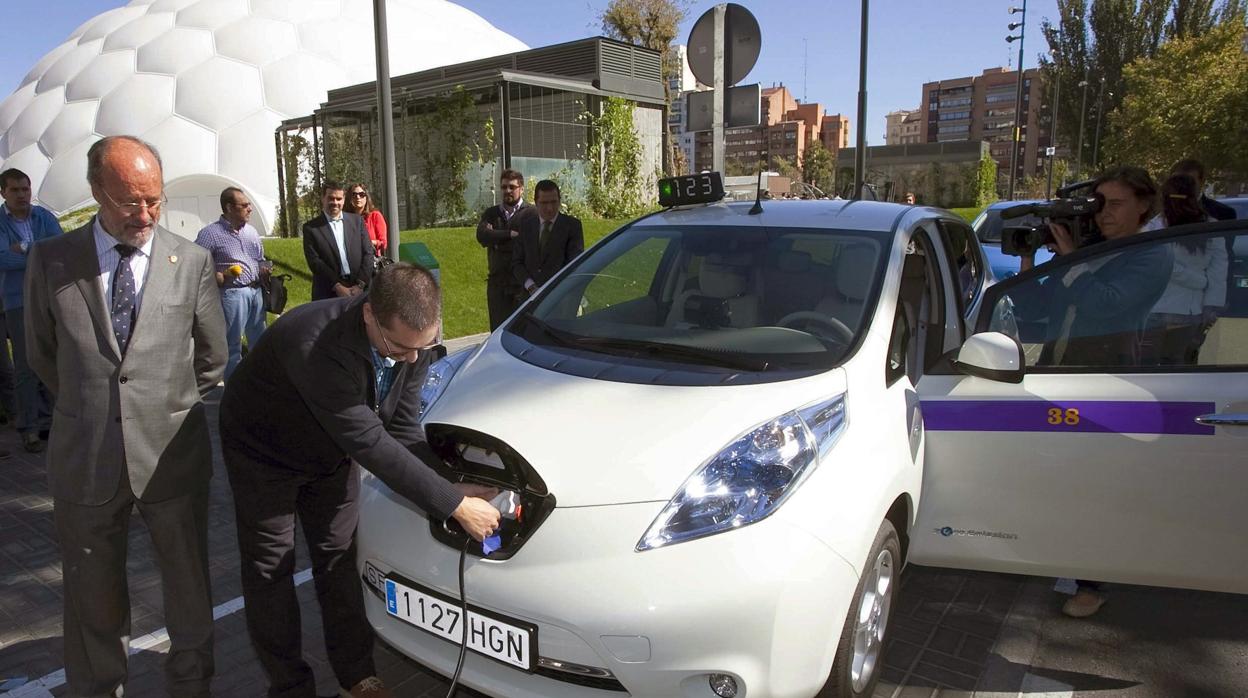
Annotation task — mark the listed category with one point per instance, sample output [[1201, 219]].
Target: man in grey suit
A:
[[337, 248], [124, 326]]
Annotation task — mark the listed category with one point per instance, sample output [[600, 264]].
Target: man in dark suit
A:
[[547, 241], [337, 248], [329, 388], [110, 308], [497, 230]]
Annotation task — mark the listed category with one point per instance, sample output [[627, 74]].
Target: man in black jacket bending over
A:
[[497, 231], [332, 386]]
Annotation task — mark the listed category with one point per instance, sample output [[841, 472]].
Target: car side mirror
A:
[[992, 355]]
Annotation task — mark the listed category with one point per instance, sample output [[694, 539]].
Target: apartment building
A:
[[903, 127], [786, 128], [981, 108]]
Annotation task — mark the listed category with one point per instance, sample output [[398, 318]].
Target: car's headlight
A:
[[751, 477], [440, 374]]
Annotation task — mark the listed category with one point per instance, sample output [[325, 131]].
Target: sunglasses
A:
[[359, 194]]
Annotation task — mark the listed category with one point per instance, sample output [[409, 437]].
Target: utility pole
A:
[[385, 112], [1057, 91], [1019, 117], [1083, 112], [860, 151]]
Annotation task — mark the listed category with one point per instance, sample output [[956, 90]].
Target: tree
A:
[[1094, 41], [818, 167], [1187, 101], [654, 25]]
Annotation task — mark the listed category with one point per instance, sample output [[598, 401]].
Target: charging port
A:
[[523, 500]]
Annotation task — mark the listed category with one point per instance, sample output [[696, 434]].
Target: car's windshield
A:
[[736, 298]]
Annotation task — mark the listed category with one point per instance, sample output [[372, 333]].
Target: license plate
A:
[[496, 636]]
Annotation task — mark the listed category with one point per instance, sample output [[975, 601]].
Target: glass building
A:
[[457, 127]]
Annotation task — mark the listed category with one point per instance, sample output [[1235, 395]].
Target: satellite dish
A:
[[742, 43]]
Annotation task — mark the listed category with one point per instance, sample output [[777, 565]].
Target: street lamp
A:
[[1019, 119]]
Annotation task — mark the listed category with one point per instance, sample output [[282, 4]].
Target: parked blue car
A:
[[988, 225]]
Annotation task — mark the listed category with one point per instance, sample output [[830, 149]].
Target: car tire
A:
[[859, 655]]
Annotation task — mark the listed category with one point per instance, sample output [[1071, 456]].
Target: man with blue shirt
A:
[[22, 224], [334, 387], [238, 256]]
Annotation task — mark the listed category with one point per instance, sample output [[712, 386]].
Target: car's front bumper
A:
[[765, 603]]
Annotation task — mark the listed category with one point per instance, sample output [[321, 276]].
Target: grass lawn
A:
[[462, 263], [460, 258]]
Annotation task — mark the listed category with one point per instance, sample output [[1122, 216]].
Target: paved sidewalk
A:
[[955, 633]]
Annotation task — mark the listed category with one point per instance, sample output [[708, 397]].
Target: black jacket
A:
[[321, 251], [494, 234], [305, 398], [530, 261]]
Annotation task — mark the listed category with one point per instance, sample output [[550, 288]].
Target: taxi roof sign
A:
[[701, 188]]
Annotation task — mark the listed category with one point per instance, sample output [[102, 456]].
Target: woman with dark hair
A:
[[1197, 288], [361, 204]]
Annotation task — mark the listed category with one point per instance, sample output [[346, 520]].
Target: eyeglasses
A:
[[512, 187], [134, 207], [403, 351], [359, 195]]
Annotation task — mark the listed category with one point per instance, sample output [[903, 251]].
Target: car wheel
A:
[[859, 656]]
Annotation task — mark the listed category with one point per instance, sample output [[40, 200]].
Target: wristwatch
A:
[[25, 246]]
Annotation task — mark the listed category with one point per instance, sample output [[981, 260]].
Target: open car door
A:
[[1122, 453]]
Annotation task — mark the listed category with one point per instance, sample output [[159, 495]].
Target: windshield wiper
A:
[[676, 351], [560, 337]]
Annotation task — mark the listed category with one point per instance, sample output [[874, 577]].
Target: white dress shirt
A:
[[335, 225], [106, 252]]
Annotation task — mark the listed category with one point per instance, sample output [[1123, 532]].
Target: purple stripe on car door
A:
[[1078, 416]]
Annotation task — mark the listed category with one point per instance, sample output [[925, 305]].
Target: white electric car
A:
[[721, 433]]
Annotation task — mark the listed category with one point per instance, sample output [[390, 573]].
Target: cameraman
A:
[[1096, 311]]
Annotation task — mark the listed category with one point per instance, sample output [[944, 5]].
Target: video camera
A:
[[1075, 212]]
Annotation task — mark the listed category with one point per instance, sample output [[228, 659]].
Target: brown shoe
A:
[[1084, 603], [32, 443], [371, 687]]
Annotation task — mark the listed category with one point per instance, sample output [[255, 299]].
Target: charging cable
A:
[[463, 640]]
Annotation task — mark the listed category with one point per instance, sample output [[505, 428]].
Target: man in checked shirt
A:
[[238, 255]]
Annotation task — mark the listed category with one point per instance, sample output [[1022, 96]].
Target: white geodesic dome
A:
[[208, 82]]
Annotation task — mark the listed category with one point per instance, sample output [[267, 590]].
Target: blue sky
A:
[[911, 42]]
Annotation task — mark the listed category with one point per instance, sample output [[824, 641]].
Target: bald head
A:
[[127, 181]]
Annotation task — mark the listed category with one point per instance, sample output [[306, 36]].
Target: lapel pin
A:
[[173, 259]]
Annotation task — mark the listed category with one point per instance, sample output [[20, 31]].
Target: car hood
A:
[[597, 442]]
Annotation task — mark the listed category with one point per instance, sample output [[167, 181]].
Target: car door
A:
[[1120, 456]]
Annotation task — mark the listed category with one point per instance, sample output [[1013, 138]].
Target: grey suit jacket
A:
[[141, 415]]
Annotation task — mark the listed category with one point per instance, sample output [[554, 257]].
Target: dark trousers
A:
[[34, 404], [503, 295], [97, 602], [6, 365], [267, 499]]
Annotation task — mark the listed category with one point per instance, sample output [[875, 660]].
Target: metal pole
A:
[[386, 111], [1083, 112], [1057, 91], [721, 88], [1096, 138], [860, 150], [1019, 117]]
